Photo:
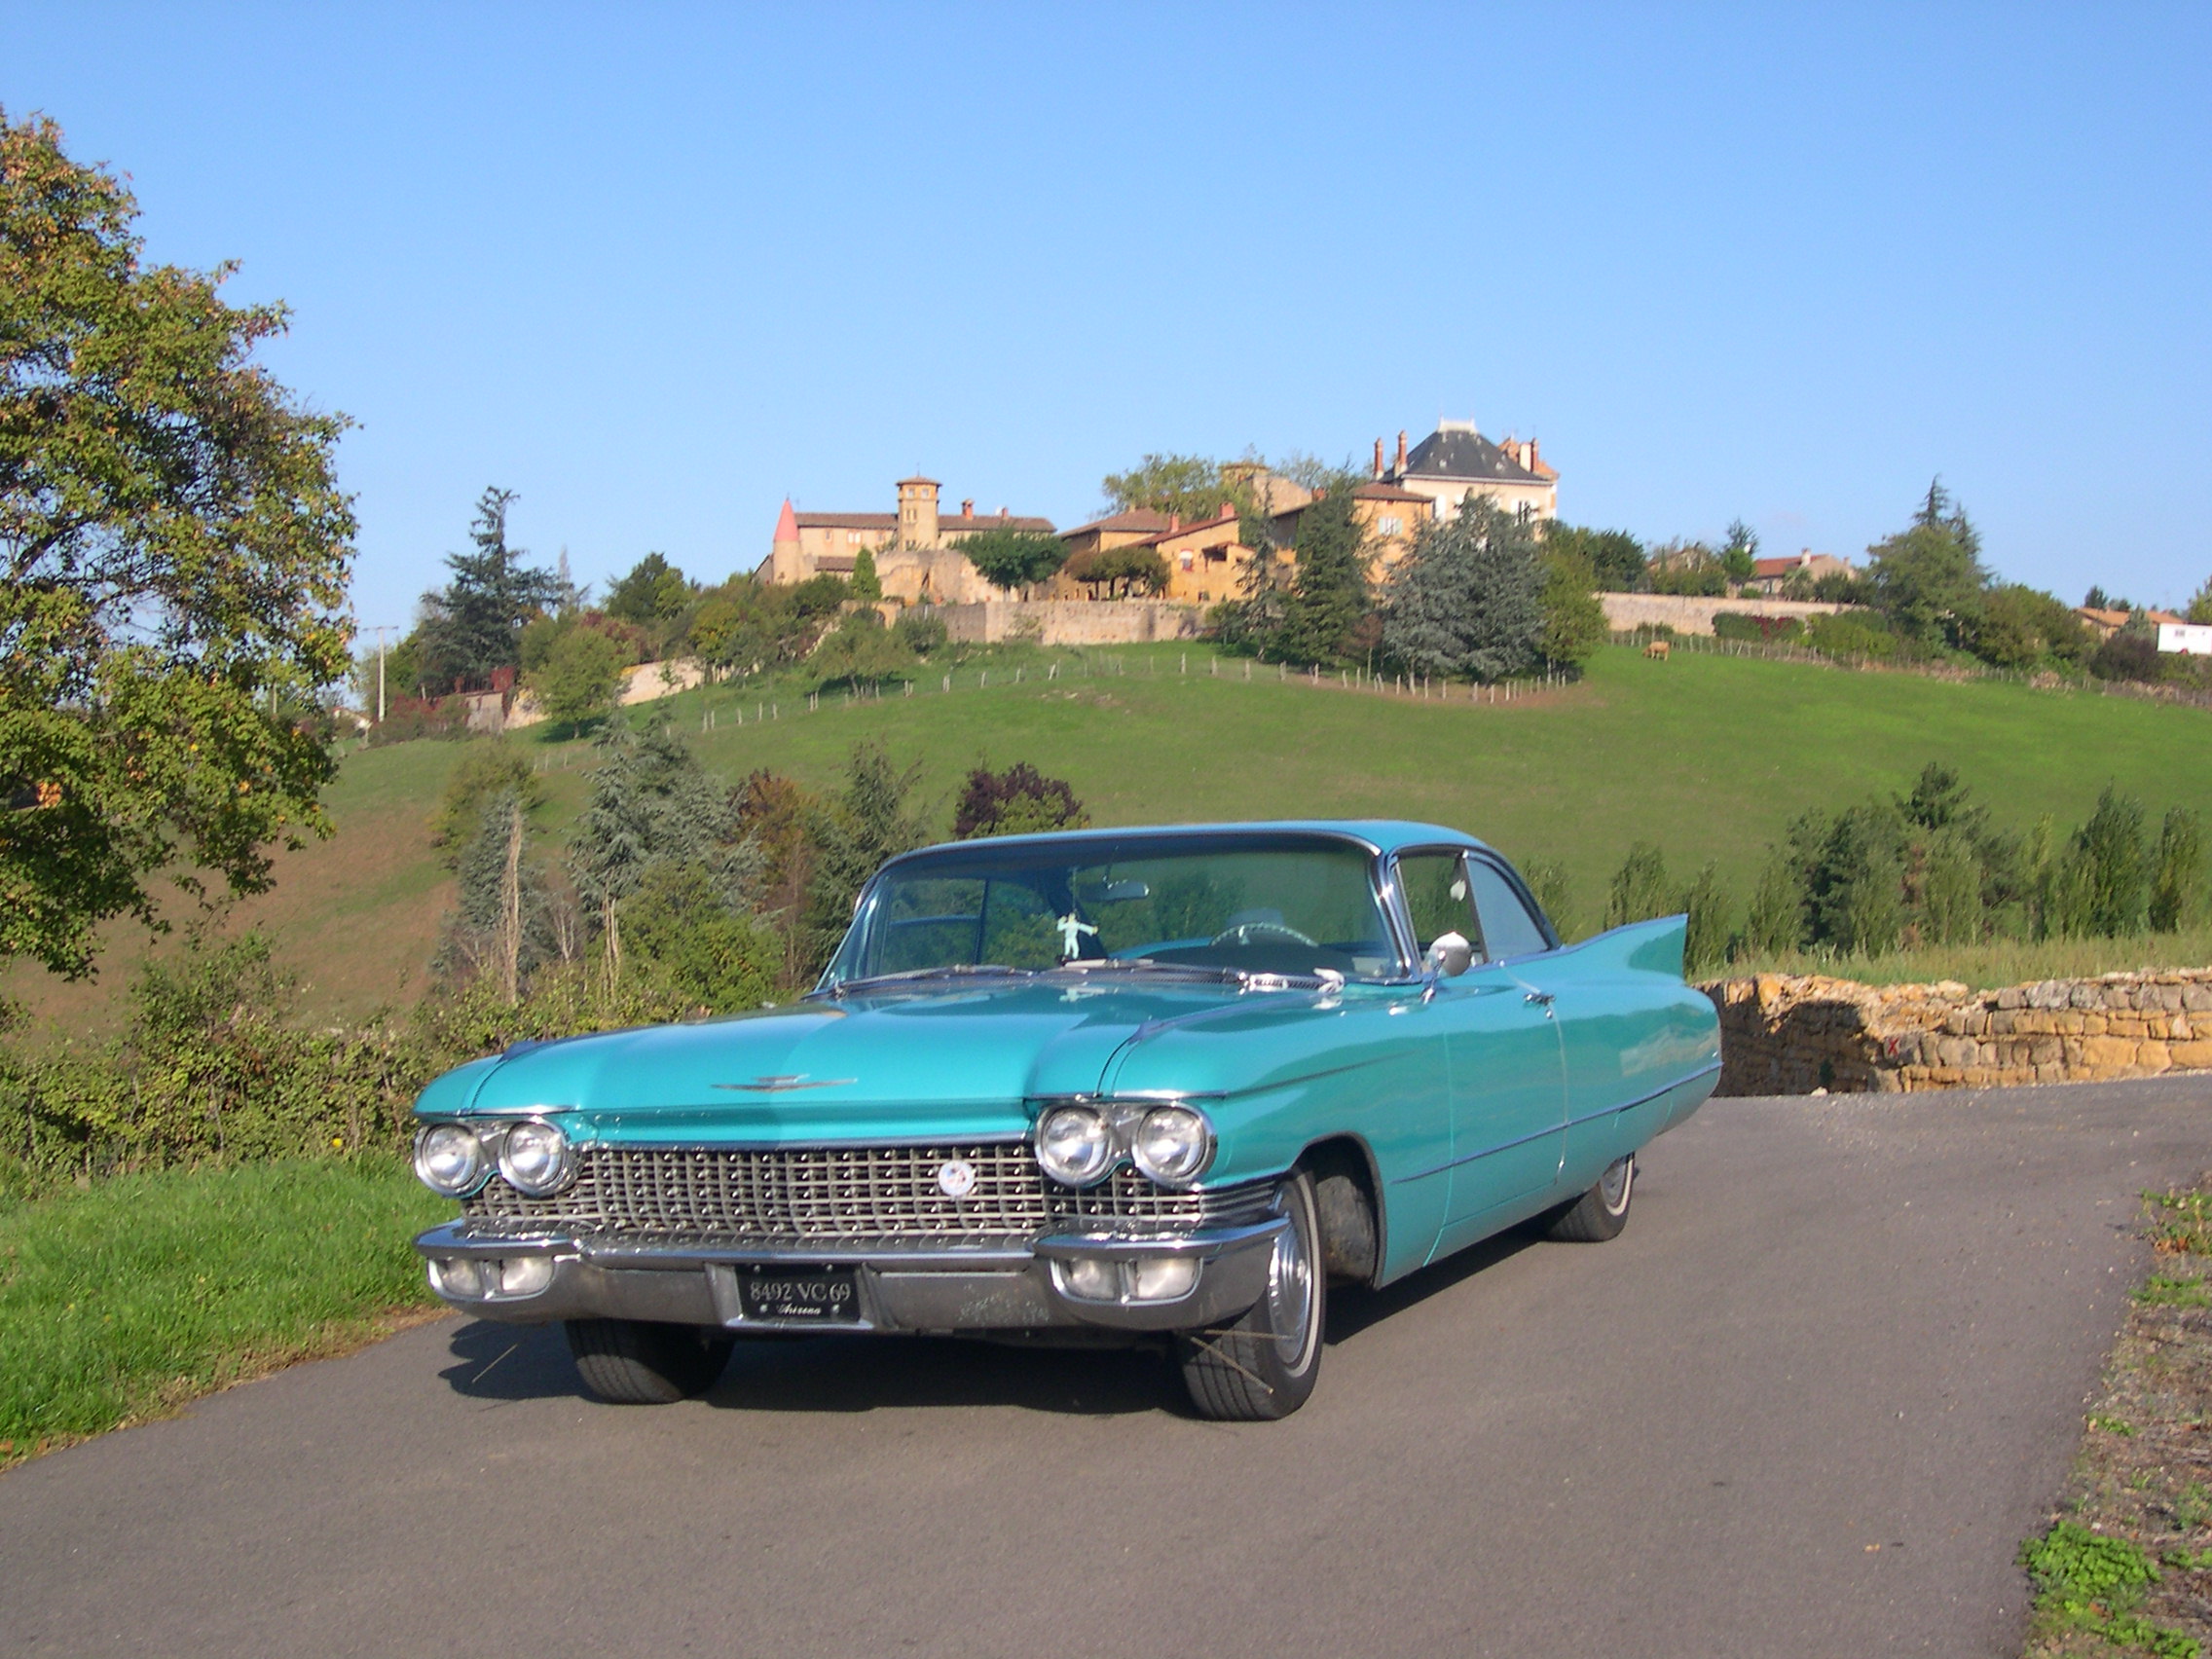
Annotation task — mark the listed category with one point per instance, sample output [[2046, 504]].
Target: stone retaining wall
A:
[[1791, 1034], [1071, 621], [1686, 614]]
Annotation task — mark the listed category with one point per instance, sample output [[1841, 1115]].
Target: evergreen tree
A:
[[866, 583], [1468, 599], [1328, 593], [870, 820], [2176, 868], [503, 924], [473, 625]]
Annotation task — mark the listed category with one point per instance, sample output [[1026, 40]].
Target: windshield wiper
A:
[[949, 971]]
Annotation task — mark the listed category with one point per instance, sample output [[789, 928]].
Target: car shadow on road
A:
[[1352, 1309], [506, 1363]]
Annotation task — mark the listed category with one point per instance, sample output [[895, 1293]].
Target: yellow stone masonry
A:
[[1791, 1034]]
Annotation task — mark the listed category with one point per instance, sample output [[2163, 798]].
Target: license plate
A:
[[819, 1296]]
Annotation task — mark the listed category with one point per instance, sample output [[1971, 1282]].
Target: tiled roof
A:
[[1458, 454], [1378, 491], [991, 521], [848, 520], [1135, 518], [959, 523], [1181, 530]]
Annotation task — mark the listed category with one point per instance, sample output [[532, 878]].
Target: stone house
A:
[[1455, 461], [1772, 576]]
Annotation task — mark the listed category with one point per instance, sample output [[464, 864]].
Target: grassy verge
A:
[[2127, 1565], [126, 1300], [2000, 962]]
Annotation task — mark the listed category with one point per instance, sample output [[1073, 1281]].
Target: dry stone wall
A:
[[1792, 1034]]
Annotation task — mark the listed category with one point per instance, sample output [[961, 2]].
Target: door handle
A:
[[1543, 998]]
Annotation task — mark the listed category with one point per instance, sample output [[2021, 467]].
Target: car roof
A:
[[1377, 834]]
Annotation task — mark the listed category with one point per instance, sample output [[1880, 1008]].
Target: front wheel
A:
[[635, 1362], [1601, 1212], [1263, 1366]]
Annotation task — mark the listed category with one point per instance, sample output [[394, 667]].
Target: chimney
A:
[[1377, 457], [1227, 509], [967, 510], [1401, 472], [1001, 515], [1174, 523], [1535, 455]]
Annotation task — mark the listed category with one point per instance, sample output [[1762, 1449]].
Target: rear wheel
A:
[[1263, 1365], [1601, 1212], [633, 1362]]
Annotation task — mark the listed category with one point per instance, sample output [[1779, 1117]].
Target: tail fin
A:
[[1639, 947]]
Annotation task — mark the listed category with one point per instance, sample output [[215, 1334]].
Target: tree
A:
[[867, 822], [472, 626], [1615, 557], [2201, 603], [1018, 801], [175, 550], [1575, 620], [1011, 559], [652, 591], [1328, 592], [2177, 866], [860, 651], [650, 803], [581, 676], [1187, 485], [1468, 599], [488, 768], [867, 585], [1928, 580], [503, 925], [1739, 553], [1123, 572], [2019, 627]]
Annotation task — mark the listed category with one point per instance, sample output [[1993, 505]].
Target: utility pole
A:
[[379, 633]]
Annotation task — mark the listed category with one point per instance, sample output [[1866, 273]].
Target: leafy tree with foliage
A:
[[1575, 620], [487, 769], [869, 820], [692, 939], [2201, 603], [1615, 557], [1011, 560], [1018, 801], [1928, 580], [777, 818], [748, 625], [866, 584], [858, 650], [504, 927], [1468, 599], [1739, 552], [472, 626], [1189, 486], [2019, 627], [1123, 572], [1688, 567], [581, 679], [652, 591], [1639, 889], [175, 549], [920, 630], [1328, 590]]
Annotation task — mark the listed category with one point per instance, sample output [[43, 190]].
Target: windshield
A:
[[1255, 904]]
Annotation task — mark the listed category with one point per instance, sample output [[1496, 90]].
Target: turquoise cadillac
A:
[[1160, 1084]]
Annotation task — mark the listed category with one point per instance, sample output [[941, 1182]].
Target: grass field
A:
[[143, 1292], [1710, 755]]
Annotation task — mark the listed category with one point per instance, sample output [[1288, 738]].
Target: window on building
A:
[[1390, 523]]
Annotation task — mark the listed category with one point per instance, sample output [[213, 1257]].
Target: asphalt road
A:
[[1809, 1403]]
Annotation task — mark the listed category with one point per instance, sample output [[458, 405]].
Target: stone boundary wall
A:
[[1794, 1034], [1071, 621], [1687, 616]]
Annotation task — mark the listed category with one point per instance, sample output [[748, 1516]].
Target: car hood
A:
[[898, 1063]]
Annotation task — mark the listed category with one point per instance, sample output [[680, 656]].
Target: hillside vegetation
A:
[[1709, 757]]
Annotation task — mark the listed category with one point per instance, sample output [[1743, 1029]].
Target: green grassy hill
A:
[[1708, 755]]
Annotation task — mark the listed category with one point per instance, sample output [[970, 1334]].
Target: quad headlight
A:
[[1171, 1144], [534, 1158], [450, 1160], [1075, 1144], [1079, 1143]]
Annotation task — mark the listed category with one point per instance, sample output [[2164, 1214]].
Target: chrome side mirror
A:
[[1449, 955]]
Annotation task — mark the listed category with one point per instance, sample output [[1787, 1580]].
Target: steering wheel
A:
[[1255, 933]]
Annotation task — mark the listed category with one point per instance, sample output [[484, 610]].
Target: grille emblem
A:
[[957, 1179], [783, 1084]]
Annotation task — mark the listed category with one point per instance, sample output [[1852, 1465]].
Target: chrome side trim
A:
[[1563, 1124]]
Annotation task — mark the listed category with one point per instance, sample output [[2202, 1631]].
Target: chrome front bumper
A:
[[1006, 1288]]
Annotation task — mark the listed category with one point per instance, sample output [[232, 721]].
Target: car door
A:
[[1589, 1046], [1506, 1079]]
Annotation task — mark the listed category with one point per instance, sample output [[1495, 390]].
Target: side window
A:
[[1435, 886], [1507, 926]]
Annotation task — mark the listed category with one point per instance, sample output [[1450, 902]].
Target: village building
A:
[[1455, 461], [2106, 622], [1772, 576], [915, 549]]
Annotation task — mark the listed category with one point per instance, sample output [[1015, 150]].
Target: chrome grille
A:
[[850, 1195]]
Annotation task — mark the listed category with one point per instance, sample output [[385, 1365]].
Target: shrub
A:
[[488, 768], [1777, 922], [1638, 889], [919, 630], [2177, 869], [1018, 801], [1548, 884], [1705, 943], [2109, 850], [690, 938], [1762, 630], [1851, 634]]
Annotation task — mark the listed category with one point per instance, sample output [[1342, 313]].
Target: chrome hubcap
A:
[[1290, 1289], [1613, 1185]]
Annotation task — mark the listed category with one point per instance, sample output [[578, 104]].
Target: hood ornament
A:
[[786, 1083]]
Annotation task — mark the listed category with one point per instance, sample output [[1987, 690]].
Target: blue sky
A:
[[654, 267]]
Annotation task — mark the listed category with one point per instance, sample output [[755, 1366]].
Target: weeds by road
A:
[[2128, 1566], [130, 1299]]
